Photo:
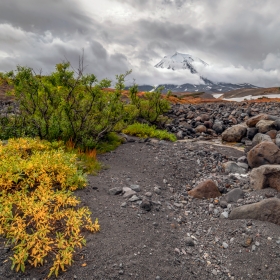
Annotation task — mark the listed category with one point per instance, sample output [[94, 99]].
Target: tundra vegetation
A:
[[64, 119]]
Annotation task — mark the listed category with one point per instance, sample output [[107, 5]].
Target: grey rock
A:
[[146, 205], [218, 127], [135, 188], [148, 194], [243, 165], [224, 215], [124, 204], [265, 210], [134, 198], [232, 167], [234, 195], [277, 140], [225, 245], [223, 203], [259, 137], [115, 191], [129, 194], [251, 132], [242, 159], [157, 190], [189, 241], [277, 124]]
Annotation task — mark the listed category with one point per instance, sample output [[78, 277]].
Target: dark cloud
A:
[[61, 17], [239, 39]]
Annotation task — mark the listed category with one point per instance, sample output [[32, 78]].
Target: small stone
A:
[[224, 215], [216, 211], [257, 243], [148, 194], [179, 205], [254, 248], [247, 242], [177, 251], [121, 272], [189, 241], [157, 190], [134, 198], [158, 278], [225, 245], [146, 205], [214, 271], [129, 194], [124, 204], [135, 188], [115, 191], [164, 181]]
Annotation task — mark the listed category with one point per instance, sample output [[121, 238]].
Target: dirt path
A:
[[179, 238]]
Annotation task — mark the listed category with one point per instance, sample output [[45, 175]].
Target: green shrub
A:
[[145, 131], [62, 106], [151, 105]]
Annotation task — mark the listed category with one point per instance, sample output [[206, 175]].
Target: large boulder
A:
[[265, 210], [265, 125], [266, 176], [254, 120], [234, 133], [259, 138], [263, 153], [205, 189]]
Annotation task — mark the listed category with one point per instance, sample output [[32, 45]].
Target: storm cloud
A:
[[238, 39]]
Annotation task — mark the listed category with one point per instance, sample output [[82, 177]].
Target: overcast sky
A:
[[240, 40]]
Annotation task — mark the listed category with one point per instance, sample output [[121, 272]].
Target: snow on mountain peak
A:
[[180, 61]]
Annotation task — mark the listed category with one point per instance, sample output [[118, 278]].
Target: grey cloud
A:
[[59, 17], [240, 38]]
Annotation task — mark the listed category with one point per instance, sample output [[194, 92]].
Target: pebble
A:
[[224, 215], [135, 188], [124, 204], [247, 242], [134, 198], [215, 272], [157, 190], [225, 245], [148, 194], [189, 241]]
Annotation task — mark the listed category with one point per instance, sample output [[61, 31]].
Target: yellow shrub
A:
[[38, 212]]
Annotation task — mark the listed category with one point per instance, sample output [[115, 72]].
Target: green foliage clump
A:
[[39, 214], [62, 106], [145, 131], [151, 105]]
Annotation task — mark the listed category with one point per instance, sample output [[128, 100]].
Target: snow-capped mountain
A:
[[180, 61]]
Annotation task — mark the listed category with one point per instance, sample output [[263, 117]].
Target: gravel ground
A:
[[179, 237]]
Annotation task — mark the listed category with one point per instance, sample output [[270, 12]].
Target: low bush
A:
[[150, 106], [145, 131], [39, 214]]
